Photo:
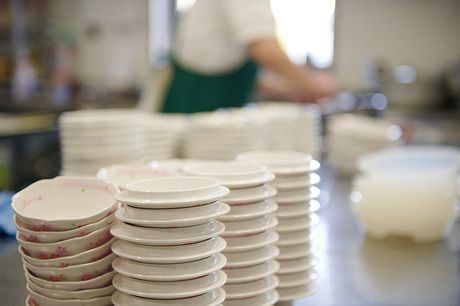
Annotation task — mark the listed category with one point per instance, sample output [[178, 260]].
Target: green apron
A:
[[191, 92]]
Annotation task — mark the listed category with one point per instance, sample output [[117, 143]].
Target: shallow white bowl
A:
[[249, 226], [64, 203], [252, 257], [210, 298], [250, 194], [176, 217], [252, 288], [289, 224], [251, 273], [73, 273], [123, 174], [41, 300], [297, 278], [80, 258], [297, 209], [251, 242], [169, 272], [169, 290], [265, 299], [101, 281], [288, 252], [232, 174], [66, 247], [299, 264], [297, 292], [51, 236], [169, 254], [296, 196], [282, 163], [67, 295], [250, 211], [167, 235]]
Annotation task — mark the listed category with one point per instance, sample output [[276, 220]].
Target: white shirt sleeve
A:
[[249, 19]]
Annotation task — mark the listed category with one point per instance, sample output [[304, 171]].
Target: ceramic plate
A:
[[297, 237], [251, 242], [167, 235], [297, 278], [169, 272], [297, 209], [313, 193], [296, 251], [211, 298], [268, 298], [169, 290], [178, 217], [251, 273], [250, 226], [169, 254], [238, 196], [297, 223], [294, 182], [295, 293], [251, 258], [249, 289], [298, 264], [250, 211]]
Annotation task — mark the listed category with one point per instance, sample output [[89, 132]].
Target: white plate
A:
[[293, 182], [250, 211], [297, 237], [173, 203], [299, 264], [249, 289], [251, 273], [39, 299], [298, 292], [167, 235], [211, 298], [169, 290], [169, 272], [250, 195], [297, 278], [169, 254], [251, 242], [232, 174], [297, 223], [252, 257], [296, 251], [312, 193], [178, 217], [250, 226], [297, 209], [268, 298]]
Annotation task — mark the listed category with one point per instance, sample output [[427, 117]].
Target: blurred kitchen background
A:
[[398, 58]]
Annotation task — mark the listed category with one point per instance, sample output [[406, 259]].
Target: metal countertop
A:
[[354, 270]]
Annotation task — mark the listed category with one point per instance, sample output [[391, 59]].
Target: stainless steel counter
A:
[[353, 271]]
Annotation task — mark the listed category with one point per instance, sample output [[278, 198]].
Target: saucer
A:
[[251, 242], [313, 193], [242, 196], [297, 223], [297, 278], [252, 288], [298, 292], [251, 258], [250, 226], [297, 209], [268, 298], [296, 251], [250, 211], [298, 264], [251, 273]]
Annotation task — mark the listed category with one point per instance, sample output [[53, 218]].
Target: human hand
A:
[[318, 85]]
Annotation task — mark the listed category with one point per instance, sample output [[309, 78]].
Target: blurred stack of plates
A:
[[161, 136], [92, 139], [297, 219], [352, 136], [123, 174], [249, 231], [65, 242], [169, 246], [292, 126], [222, 135], [408, 191]]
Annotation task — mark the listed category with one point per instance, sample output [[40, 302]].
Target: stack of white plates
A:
[[92, 139], [293, 126], [65, 242], [408, 191], [222, 135], [123, 174], [352, 136], [297, 219], [249, 231], [169, 246], [161, 135]]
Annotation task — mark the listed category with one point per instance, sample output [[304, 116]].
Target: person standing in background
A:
[[218, 49]]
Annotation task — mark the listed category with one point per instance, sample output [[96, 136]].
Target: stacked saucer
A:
[[123, 174], [249, 231], [222, 135], [92, 139], [169, 246], [297, 219], [65, 242]]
